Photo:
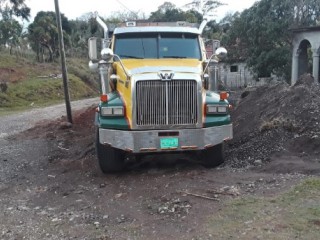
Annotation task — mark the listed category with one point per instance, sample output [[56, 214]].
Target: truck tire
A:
[[110, 159], [213, 157]]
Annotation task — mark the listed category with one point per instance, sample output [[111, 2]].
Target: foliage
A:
[[167, 12], [207, 7], [43, 91], [43, 34], [80, 32], [122, 16], [261, 35], [16, 7], [31, 84], [292, 214], [10, 30]]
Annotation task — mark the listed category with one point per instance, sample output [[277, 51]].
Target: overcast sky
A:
[[75, 8]]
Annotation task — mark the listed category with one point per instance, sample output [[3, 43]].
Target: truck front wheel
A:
[[110, 159], [213, 157]]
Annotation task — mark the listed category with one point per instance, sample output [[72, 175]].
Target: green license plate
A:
[[166, 143]]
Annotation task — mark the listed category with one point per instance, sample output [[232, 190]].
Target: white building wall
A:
[[237, 75]]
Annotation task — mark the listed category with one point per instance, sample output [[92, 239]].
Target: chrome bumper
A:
[[149, 141]]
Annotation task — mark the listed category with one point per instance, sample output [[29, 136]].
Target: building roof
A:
[[305, 29]]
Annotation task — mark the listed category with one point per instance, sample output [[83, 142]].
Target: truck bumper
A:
[[151, 140]]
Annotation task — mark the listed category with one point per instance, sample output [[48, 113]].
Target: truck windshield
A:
[[157, 45]]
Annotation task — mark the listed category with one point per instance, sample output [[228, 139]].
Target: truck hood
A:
[[141, 66]]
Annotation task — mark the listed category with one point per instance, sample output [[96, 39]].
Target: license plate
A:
[[167, 143]]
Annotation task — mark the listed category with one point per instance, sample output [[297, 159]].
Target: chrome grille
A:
[[161, 103]]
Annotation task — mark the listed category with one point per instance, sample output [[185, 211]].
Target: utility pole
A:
[[63, 62]]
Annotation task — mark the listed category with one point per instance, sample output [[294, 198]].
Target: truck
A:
[[155, 95]]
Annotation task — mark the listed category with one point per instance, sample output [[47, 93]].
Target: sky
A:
[[73, 9]]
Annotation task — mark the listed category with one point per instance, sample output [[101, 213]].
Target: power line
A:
[[126, 7]]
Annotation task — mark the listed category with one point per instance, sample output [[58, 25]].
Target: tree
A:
[[167, 12], [16, 7], [43, 34], [123, 16], [261, 35], [81, 31], [10, 30], [204, 7]]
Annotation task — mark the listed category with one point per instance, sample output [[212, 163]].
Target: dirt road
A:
[[16, 123], [51, 188]]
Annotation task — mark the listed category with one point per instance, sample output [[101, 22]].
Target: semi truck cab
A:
[[154, 94]]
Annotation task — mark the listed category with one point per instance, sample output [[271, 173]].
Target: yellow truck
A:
[[154, 94]]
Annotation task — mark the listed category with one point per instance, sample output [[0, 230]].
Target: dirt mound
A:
[[273, 119], [10, 75], [70, 142], [305, 79]]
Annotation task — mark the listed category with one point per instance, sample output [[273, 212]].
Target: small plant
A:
[[3, 87], [278, 122]]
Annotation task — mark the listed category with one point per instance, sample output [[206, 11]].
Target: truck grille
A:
[[162, 103]]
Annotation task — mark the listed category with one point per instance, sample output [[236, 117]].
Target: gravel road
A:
[[16, 123]]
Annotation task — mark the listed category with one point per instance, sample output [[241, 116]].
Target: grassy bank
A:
[[30, 84], [292, 215]]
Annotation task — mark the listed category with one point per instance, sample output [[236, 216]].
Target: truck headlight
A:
[[211, 109], [222, 109], [112, 111], [216, 109]]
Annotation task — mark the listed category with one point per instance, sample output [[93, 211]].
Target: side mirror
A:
[[92, 47], [221, 53]]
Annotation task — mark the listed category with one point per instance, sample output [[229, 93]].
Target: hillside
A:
[[25, 83]]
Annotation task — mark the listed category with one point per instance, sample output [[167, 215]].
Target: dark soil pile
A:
[[273, 119], [68, 141]]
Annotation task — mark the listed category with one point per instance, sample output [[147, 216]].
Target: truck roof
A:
[[181, 27]]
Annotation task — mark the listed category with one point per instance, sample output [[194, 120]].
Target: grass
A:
[[292, 215], [30, 85], [278, 123]]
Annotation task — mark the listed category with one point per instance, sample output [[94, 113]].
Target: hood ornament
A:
[[166, 76]]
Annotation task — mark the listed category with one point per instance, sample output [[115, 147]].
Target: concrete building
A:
[[306, 47], [234, 76]]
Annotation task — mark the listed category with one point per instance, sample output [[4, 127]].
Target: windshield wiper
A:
[[173, 57], [128, 56]]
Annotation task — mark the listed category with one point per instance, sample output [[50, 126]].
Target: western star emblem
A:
[[166, 76]]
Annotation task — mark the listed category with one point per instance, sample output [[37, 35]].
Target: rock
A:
[[65, 125], [23, 208], [119, 195], [257, 162]]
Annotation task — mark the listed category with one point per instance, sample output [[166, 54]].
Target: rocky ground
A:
[[52, 188]]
